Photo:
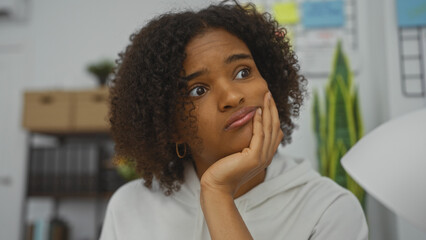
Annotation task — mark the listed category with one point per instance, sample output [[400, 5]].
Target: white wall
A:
[[60, 38], [13, 76], [51, 50], [397, 103]]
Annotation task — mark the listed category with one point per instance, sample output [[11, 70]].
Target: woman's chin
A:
[[242, 137], [234, 142]]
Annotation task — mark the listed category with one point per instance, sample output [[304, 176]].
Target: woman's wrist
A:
[[210, 191], [208, 185], [221, 214]]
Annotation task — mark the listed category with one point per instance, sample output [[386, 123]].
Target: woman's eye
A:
[[243, 73], [197, 91]]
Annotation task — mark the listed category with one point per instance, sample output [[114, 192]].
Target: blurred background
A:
[[55, 164]]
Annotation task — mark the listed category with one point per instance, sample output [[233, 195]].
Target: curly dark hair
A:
[[148, 89]]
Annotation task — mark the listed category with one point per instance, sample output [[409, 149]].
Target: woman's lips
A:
[[240, 118]]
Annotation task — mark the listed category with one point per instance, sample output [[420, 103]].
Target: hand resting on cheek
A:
[[230, 172]]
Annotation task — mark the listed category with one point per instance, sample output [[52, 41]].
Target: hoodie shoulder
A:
[[342, 219], [300, 201], [123, 201]]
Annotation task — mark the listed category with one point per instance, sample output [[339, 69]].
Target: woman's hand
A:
[[229, 173], [221, 180]]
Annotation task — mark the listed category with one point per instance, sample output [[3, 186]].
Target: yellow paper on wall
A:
[[286, 13]]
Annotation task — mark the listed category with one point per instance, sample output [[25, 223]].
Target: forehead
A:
[[214, 42]]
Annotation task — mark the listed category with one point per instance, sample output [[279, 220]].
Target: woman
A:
[[200, 103]]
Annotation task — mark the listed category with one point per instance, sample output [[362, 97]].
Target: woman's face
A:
[[226, 88]]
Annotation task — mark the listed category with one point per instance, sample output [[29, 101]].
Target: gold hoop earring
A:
[[177, 151]]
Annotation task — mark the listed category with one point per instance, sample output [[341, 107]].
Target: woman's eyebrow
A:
[[236, 57], [194, 75], [228, 60]]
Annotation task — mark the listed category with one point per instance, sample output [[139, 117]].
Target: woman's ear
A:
[[176, 138], [177, 131]]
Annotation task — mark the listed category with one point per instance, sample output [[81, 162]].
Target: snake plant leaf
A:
[[341, 122], [340, 66], [333, 160], [316, 114], [331, 100], [340, 177], [322, 144], [350, 123], [356, 190], [339, 125], [324, 164], [357, 116]]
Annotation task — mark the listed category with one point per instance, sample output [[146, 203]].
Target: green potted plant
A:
[[101, 70], [338, 125], [126, 168]]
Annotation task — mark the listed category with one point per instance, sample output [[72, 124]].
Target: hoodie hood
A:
[[283, 174], [289, 203]]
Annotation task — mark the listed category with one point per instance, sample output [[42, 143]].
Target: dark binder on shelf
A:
[[72, 169]]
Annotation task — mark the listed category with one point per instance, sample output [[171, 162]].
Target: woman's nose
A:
[[231, 95]]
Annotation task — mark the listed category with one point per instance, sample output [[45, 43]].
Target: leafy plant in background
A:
[[126, 169], [101, 70], [339, 126]]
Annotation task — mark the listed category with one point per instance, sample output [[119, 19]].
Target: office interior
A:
[[47, 46]]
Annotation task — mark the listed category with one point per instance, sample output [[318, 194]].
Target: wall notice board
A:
[[314, 28]]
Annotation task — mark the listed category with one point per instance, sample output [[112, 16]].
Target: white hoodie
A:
[[294, 202]]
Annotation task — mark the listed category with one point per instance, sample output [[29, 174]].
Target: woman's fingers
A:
[[267, 132], [257, 139], [230, 172], [277, 133], [267, 127]]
